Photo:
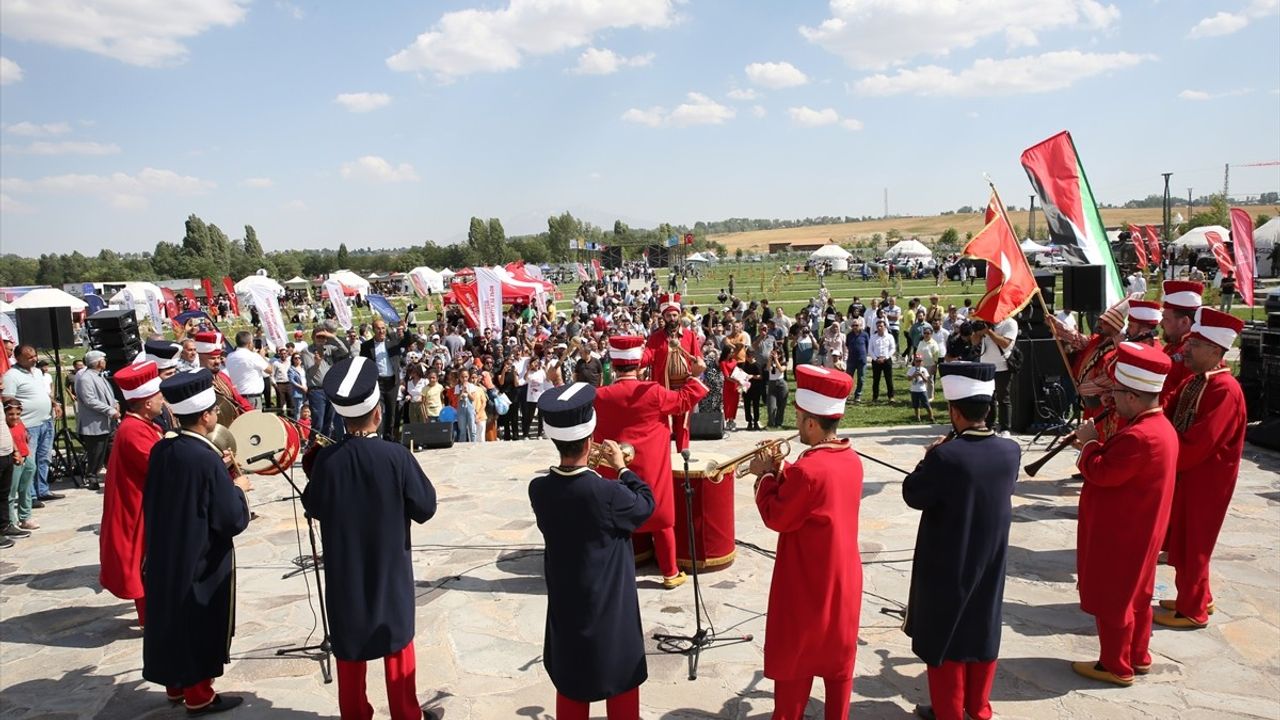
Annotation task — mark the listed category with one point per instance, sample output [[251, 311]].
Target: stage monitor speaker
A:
[[429, 435], [1041, 391], [1084, 288], [112, 320], [118, 357], [46, 328], [706, 426]]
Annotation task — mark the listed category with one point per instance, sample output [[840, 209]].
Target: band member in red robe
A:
[[963, 487], [815, 596], [1124, 511], [120, 540], [663, 366], [635, 411], [1144, 318], [209, 345], [1090, 358], [1181, 300], [1208, 413]]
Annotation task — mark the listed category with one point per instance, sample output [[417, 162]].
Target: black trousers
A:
[[1001, 405], [775, 402], [387, 388], [95, 451], [754, 398], [879, 369], [510, 423], [530, 412]]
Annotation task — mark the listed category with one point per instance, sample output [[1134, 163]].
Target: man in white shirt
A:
[[248, 369], [882, 348], [1137, 283], [997, 343]]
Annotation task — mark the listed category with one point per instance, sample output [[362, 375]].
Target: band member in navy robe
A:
[[191, 509], [365, 491], [964, 486], [594, 646]]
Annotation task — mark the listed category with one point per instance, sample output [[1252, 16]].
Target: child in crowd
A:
[[918, 377], [18, 504]]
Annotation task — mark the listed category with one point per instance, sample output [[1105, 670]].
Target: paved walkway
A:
[[68, 649]]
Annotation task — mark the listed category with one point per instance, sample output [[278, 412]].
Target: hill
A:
[[926, 228]]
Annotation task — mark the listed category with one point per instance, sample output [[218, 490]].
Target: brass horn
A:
[[596, 456], [778, 449]]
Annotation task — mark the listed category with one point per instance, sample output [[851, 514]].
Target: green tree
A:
[[893, 234], [252, 247], [496, 242], [949, 238], [196, 242], [344, 257], [1261, 219], [478, 237], [560, 230]]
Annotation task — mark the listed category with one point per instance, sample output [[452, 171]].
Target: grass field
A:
[[927, 228]]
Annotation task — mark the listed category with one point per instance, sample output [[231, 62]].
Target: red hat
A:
[[1183, 294], [822, 392], [1140, 367], [1216, 327], [209, 342], [626, 350], [667, 301], [137, 381], [1144, 311]]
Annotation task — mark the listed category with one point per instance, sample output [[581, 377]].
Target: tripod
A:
[[63, 446], [692, 645], [325, 653]]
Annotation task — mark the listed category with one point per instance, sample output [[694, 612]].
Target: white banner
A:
[[269, 315], [341, 310], [489, 298], [426, 281], [153, 308], [130, 301], [8, 330]]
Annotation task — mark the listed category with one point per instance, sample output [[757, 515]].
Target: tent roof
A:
[[829, 252], [49, 297], [297, 281], [1195, 237], [1032, 247], [1268, 234], [242, 287], [350, 280], [908, 248], [139, 290]]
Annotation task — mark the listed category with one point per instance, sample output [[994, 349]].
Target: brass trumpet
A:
[[596, 456], [777, 449]]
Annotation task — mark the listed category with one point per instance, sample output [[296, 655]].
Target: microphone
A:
[[259, 458], [685, 454]]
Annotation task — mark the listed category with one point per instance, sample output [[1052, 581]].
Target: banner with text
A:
[[489, 299], [269, 314], [341, 310]]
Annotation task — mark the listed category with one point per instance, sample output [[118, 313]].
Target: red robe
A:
[[120, 546], [1089, 367], [230, 387], [815, 596], [635, 411], [1178, 373], [1210, 424], [655, 359]]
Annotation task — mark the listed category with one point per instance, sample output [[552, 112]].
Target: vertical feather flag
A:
[[1139, 246], [1246, 258], [1153, 243]]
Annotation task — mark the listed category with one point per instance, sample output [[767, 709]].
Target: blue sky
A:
[[390, 123]]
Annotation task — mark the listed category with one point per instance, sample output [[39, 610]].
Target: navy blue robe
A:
[[364, 491], [191, 512], [594, 645], [965, 488]]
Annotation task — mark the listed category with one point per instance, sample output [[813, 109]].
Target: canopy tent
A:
[[5, 307], [49, 297], [696, 258], [516, 285], [447, 273], [1195, 237], [425, 279], [139, 291], [297, 282], [832, 254], [1031, 247], [352, 284], [908, 249], [258, 281], [1266, 236]]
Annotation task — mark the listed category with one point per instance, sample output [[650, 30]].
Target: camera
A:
[[978, 325]]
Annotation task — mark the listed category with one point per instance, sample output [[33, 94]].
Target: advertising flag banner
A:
[[230, 287], [489, 299], [268, 305], [341, 310], [381, 306], [207, 284], [1139, 246], [1153, 243], [1243, 248], [1218, 246]]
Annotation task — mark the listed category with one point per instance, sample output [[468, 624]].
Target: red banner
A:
[[1153, 243], [688, 238], [230, 287], [170, 302], [207, 284], [595, 265], [1243, 248], [190, 295], [1139, 246], [1218, 246]]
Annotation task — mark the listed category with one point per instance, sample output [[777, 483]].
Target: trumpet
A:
[[777, 449], [596, 456]]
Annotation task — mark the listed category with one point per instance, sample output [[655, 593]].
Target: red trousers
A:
[[402, 693], [195, 696], [625, 706], [730, 399], [141, 606], [1125, 641], [790, 697], [680, 431], [956, 688]]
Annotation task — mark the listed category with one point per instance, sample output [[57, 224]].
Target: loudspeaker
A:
[[706, 426], [112, 320], [103, 338], [115, 332], [46, 328], [431, 435], [1084, 288], [1041, 391]]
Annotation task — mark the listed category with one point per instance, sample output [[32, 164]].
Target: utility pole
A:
[[1031, 219], [1168, 207], [1226, 181], [886, 203], [1188, 204]]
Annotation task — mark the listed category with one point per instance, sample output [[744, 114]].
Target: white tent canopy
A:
[[434, 280], [908, 249], [297, 282], [262, 281], [697, 258], [1265, 237], [351, 281], [1195, 237], [5, 307], [830, 252], [447, 273], [1031, 247], [49, 297], [139, 291]]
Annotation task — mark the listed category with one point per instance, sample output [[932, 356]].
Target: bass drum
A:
[[257, 433]]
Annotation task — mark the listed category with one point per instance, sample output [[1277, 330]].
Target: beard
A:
[[672, 325]]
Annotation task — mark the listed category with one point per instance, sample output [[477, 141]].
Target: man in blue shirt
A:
[[856, 344]]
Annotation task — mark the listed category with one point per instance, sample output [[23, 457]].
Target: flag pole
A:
[[1066, 362]]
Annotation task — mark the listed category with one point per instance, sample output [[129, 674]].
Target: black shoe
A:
[[14, 531], [925, 712], [430, 714], [5, 542], [52, 496], [221, 703], [37, 504], [95, 485]]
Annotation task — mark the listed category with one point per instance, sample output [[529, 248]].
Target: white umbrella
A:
[[297, 282], [49, 297], [908, 249]]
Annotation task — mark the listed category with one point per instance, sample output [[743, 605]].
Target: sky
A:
[[391, 123]]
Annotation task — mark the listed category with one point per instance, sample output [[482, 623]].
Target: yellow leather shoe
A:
[[675, 581], [1141, 669], [1174, 619], [1095, 671], [1173, 605]]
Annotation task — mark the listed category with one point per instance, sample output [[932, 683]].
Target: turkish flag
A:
[[1242, 244], [230, 287], [1139, 246], [1218, 245], [1010, 283], [1153, 243]]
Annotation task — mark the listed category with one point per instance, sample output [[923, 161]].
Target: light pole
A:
[[1031, 218]]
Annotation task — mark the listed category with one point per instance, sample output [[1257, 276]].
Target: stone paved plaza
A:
[[70, 650]]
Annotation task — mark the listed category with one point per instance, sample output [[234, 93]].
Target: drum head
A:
[[256, 433]]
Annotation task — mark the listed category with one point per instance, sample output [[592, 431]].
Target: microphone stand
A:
[[324, 647], [692, 645]]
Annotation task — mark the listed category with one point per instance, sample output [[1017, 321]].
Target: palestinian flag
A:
[[1075, 225]]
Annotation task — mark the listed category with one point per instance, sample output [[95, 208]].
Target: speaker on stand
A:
[[1041, 392], [50, 328]]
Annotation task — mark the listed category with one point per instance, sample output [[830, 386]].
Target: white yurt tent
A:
[[908, 249], [297, 282], [833, 254], [49, 297], [262, 281], [138, 296], [424, 278], [351, 281], [1031, 247], [1196, 240]]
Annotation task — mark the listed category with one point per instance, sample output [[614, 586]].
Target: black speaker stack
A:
[[1084, 288], [46, 328], [1260, 369], [1040, 393], [427, 435], [1031, 320], [706, 426], [115, 333]]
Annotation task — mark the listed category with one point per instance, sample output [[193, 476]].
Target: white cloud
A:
[[10, 71], [138, 32], [597, 61], [294, 205], [1226, 23], [363, 102], [469, 41], [805, 116], [1198, 95], [877, 34], [294, 11], [741, 94], [775, 75], [9, 205], [372, 168], [1010, 76], [851, 124], [125, 201], [759, 111], [121, 190], [65, 147], [698, 109], [30, 129], [257, 182], [1194, 95]]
